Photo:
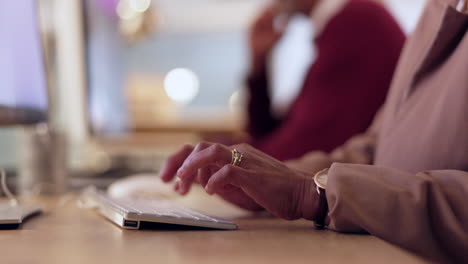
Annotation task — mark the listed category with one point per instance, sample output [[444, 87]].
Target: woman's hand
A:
[[259, 181]]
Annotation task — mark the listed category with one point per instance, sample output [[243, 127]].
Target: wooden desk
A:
[[71, 235]]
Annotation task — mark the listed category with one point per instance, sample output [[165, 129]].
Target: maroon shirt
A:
[[357, 54]]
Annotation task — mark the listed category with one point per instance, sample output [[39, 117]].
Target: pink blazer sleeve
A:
[[424, 212]]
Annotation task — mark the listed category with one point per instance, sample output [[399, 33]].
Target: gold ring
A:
[[236, 157]]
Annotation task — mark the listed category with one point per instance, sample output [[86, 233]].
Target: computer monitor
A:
[[23, 85]]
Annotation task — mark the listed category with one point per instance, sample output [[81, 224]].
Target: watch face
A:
[[321, 179]]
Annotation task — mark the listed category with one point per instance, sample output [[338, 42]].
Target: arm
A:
[[260, 119], [262, 38], [358, 150], [424, 212], [348, 83]]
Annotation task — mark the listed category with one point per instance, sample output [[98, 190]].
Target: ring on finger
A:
[[236, 158]]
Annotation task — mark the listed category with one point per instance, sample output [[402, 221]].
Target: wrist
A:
[[321, 180], [310, 201], [314, 204]]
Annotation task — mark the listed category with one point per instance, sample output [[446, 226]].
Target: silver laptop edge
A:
[[133, 220]]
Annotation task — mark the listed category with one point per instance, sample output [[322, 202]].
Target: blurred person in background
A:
[[358, 44]]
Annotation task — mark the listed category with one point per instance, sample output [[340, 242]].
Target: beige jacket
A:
[[415, 193]]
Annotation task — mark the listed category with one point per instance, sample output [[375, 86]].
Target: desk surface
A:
[[68, 234]]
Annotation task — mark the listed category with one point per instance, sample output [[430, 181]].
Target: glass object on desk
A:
[[42, 162]]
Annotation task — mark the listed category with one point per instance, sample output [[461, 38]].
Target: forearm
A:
[[358, 150]]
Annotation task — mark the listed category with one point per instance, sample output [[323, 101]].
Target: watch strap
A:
[[322, 210]]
